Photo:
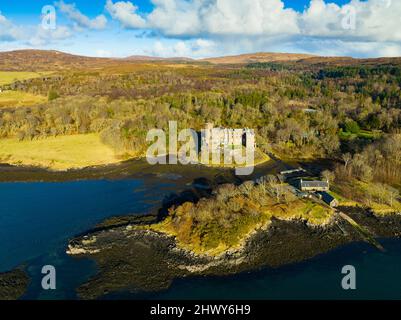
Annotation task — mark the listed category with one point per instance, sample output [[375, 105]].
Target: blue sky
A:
[[197, 28], [25, 11], [93, 7]]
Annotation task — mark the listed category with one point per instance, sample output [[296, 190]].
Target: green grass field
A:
[[12, 98], [314, 213], [7, 77], [18, 98], [59, 153], [364, 134]]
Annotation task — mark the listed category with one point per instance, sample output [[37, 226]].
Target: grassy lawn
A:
[[363, 134], [59, 153], [343, 201], [314, 213], [7, 77], [17, 99]]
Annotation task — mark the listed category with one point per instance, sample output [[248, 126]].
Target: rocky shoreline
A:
[[134, 259]]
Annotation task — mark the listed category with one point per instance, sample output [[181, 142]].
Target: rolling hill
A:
[[150, 58], [258, 57], [38, 60], [42, 60]]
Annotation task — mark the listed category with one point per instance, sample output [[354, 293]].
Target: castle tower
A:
[[207, 137]]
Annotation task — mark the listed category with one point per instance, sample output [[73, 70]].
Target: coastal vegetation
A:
[[372, 177], [225, 221]]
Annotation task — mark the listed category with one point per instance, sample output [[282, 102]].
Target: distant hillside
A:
[[150, 58], [36, 60], [348, 61], [258, 57], [300, 59], [42, 60]]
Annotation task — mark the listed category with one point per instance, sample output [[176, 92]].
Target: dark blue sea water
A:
[[37, 219], [378, 277]]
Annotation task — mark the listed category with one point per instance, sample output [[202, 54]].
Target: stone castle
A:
[[221, 140]]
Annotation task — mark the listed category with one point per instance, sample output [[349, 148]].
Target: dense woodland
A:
[[300, 111]]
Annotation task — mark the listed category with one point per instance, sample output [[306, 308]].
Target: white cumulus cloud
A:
[[80, 19], [9, 31], [43, 36], [33, 36], [369, 27], [374, 20], [202, 28], [126, 14], [209, 17]]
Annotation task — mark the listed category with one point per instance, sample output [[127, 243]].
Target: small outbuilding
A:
[[314, 186], [329, 199]]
